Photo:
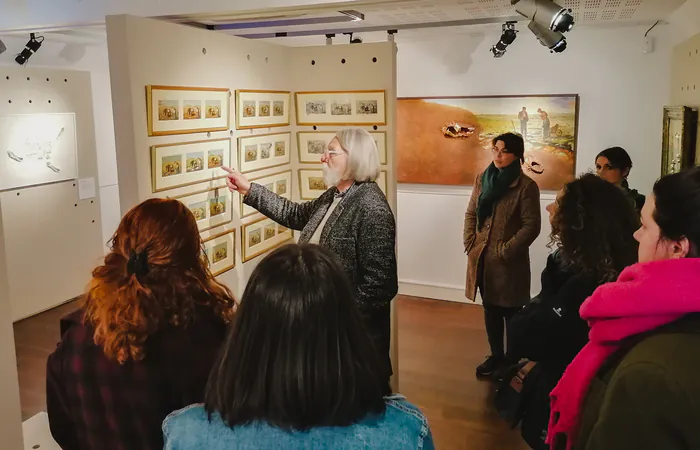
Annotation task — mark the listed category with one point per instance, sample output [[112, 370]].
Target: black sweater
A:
[[549, 330]]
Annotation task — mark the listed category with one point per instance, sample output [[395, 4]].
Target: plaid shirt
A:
[[95, 403]]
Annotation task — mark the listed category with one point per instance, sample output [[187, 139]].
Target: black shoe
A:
[[502, 371], [489, 366]]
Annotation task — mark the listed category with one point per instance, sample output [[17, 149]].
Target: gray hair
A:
[[363, 157]]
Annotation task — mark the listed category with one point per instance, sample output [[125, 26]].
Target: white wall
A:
[[622, 92]]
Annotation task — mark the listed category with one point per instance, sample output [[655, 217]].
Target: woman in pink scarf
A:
[[635, 384]]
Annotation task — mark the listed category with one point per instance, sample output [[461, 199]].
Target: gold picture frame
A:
[[173, 110], [208, 208], [264, 151], [261, 236], [276, 181], [310, 183], [187, 163], [342, 108], [262, 108], [308, 146], [220, 251], [679, 139]]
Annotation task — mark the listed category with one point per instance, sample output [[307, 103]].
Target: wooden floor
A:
[[440, 345]]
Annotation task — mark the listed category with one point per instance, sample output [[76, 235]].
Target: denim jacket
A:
[[402, 426]]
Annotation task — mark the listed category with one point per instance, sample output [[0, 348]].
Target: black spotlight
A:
[[31, 47], [507, 37]]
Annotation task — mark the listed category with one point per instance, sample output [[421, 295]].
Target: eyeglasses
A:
[[333, 153], [498, 151]]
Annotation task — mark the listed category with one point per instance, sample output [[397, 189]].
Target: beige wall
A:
[[10, 415], [685, 78], [52, 238], [149, 52]]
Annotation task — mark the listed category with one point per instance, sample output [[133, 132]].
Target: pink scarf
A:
[[645, 296]]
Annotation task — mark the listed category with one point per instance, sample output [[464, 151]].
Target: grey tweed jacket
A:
[[361, 231]]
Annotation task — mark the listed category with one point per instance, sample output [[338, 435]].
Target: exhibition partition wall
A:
[[187, 101], [10, 415], [685, 78], [48, 186]]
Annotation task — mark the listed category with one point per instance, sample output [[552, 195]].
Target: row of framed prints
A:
[[184, 110], [187, 163], [258, 237]]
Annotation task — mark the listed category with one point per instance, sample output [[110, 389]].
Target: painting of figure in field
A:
[[448, 141]]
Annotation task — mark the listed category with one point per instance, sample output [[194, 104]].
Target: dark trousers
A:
[[496, 319]]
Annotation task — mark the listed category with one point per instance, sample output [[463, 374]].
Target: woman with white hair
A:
[[352, 219]]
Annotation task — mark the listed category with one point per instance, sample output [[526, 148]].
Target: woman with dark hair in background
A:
[[298, 370], [613, 165], [145, 338], [635, 384], [501, 222], [592, 229]]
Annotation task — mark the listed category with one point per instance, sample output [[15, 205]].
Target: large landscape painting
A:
[[448, 140]]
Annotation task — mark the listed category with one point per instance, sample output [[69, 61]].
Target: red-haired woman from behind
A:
[[145, 338]]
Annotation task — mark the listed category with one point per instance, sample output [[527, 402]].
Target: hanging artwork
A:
[[263, 151], [211, 207], [679, 136], [262, 109], [311, 184], [187, 163], [341, 108], [312, 145], [449, 140], [220, 251], [183, 110], [37, 149], [279, 183], [261, 236]]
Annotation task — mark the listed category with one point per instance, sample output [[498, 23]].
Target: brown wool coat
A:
[[504, 240]]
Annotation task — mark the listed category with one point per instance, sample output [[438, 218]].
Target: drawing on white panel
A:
[[39, 149]]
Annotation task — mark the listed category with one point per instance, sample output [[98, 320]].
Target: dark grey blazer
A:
[[361, 231]]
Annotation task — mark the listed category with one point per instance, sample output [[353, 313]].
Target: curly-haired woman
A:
[[145, 338], [593, 225]]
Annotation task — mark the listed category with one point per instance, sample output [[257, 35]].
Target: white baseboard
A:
[[450, 293]]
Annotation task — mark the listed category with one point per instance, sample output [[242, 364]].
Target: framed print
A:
[[261, 236], [184, 110], [262, 109], [211, 207], [279, 183], [679, 139], [382, 181], [37, 149], [311, 184], [263, 151], [312, 144], [432, 133], [186, 163], [220, 250], [341, 108]]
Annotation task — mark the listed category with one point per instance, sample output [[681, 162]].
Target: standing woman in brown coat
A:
[[502, 220]]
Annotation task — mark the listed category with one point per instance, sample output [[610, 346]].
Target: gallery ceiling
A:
[[409, 16], [420, 13]]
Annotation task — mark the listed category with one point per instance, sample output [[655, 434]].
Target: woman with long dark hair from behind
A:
[[298, 370], [592, 232], [145, 338], [635, 384]]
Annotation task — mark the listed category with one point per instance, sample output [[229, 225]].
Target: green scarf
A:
[[494, 183]]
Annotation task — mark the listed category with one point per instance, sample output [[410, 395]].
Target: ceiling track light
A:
[[31, 47], [546, 14], [553, 40], [509, 33]]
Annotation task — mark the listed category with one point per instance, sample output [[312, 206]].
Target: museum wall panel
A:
[[621, 91], [685, 78], [10, 411], [53, 234]]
